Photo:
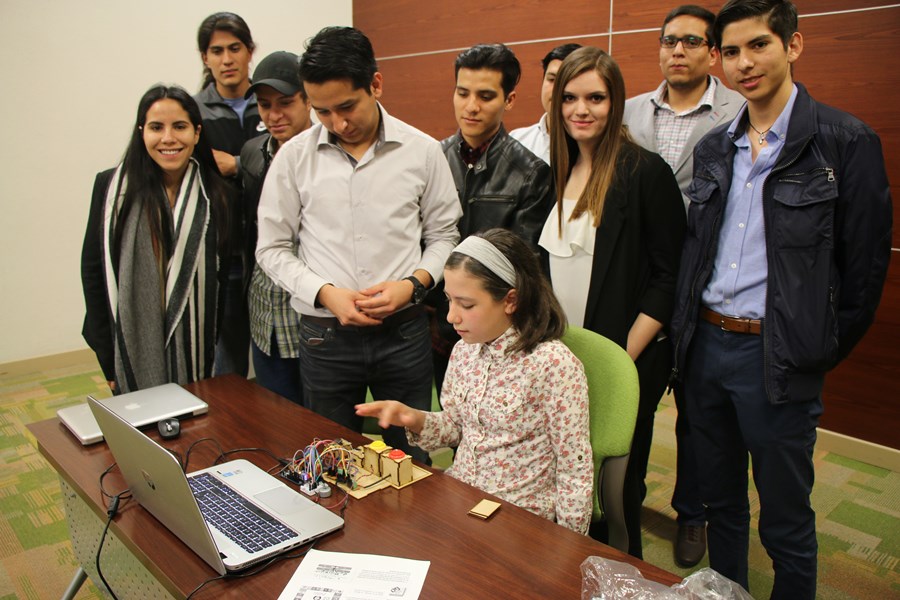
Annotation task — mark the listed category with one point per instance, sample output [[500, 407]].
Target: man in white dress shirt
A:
[[372, 203], [537, 137]]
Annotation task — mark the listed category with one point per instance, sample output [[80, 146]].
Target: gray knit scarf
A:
[[164, 322]]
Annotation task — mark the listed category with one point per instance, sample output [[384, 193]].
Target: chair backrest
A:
[[613, 391]]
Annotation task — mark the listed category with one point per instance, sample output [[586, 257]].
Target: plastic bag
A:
[[604, 579]]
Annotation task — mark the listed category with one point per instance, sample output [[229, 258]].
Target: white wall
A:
[[73, 73]]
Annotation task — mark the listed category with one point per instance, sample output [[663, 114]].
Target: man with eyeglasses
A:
[[670, 121], [689, 102]]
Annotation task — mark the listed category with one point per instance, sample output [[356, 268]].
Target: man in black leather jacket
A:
[[500, 182], [788, 244]]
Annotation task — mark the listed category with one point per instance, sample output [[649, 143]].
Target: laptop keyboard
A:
[[245, 524]]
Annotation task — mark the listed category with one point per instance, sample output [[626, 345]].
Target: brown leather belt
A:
[[395, 319], [751, 326]]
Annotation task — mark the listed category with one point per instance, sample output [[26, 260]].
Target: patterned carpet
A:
[[858, 506]]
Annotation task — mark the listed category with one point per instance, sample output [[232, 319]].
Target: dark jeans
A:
[[233, 345], [277, 374], [730, 415], [686, 496], [393, 360], [441, 360]]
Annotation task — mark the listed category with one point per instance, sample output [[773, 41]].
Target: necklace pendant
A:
[[762, 138]]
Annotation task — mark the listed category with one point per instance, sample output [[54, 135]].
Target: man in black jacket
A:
[[500, 182], [230, 118], [787, 250], [274, 324]]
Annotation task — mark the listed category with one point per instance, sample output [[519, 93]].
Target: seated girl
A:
[[514, 399]]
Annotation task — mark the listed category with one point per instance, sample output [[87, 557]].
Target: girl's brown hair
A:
[[538, 316]]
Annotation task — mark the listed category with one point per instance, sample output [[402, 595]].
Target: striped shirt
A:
[[673, 129]]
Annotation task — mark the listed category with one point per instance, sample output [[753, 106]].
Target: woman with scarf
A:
[[152, 255]]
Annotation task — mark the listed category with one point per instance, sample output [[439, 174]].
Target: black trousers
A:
[[731, 417]]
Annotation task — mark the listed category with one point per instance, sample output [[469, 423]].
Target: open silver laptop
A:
[[141, 408], [242, 504]]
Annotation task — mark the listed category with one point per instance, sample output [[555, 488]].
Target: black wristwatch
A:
[[419, 290]]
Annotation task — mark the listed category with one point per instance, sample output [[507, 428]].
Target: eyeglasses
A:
[[690, 42]]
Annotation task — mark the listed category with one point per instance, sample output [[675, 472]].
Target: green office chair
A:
[[613, 392]]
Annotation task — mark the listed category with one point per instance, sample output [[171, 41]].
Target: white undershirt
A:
[[571, 259]]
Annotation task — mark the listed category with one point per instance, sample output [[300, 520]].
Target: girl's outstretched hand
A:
[[392, 412]]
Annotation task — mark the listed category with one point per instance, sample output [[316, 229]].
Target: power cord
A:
[[281, 461], [124, 495], [225, 453], [252, 571], [111, 512]]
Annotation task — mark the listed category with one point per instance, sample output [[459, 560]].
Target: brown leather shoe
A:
[[690, 545]]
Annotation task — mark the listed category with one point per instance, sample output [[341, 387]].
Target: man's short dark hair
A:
[[692, 10], [558, 53], [339, 53], [780, 16], [495, 57]]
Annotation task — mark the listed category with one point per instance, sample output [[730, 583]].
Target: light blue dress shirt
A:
[[737, 286]]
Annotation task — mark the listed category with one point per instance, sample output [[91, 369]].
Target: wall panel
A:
[[846, 63], [861, 394], [841, 66], [418, 90], [628, 16], [411, 26]]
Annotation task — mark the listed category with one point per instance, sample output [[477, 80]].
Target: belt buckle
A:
[[722, 324]]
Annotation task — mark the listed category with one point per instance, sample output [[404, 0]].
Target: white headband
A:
[[488, 255]]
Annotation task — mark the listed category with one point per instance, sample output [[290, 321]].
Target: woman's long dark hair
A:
[[538, 316], [145, 177]]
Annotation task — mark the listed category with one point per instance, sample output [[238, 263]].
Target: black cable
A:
[[121, 495], [224, 453], [187, 455], [253, 570], [201, 586], [376, 482], [110, 513], [282, 461]]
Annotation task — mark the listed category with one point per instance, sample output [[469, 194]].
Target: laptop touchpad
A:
[[283, 500]]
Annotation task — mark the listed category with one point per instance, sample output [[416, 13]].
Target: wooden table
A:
[[514, 554]]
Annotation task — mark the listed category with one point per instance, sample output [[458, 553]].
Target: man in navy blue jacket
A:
[[785, 258]]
